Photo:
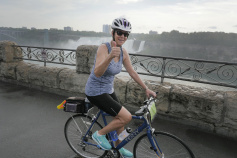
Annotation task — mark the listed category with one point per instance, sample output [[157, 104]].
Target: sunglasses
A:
[[120, 33]]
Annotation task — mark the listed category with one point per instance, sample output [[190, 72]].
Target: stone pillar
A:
[[85, 56], [8, 61], [8, 52]]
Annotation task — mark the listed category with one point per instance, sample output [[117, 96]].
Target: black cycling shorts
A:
[[107, 102]]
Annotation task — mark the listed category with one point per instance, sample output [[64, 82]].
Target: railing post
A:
[[44, 56], [163, 70]]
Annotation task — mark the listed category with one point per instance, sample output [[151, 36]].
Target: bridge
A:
[[10, 34], [16, 34]]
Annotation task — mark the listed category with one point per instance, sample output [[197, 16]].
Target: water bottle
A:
[[125, 133], [87, 105], [114, 135]]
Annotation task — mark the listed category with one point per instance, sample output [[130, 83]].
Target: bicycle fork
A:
[[154, 144]]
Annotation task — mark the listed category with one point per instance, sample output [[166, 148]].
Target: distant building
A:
[[33, 28], [68, 28], [53, 29], [106, 28], [24, 27], [153, 32]]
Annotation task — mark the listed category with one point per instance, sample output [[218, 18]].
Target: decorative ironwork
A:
[[49, 55], [201, 71], [209, 72], [142, 65]]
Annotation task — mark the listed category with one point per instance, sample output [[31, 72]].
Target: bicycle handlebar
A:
[[150, 99], [156, 94], [143, 109]]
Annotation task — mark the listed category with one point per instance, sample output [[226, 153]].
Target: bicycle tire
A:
[[74, 129], [170, 145]]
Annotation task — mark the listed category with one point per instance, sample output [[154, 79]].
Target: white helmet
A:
[[122, 24]]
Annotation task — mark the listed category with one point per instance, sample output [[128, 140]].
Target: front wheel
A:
[[75, 130], [169, 146]]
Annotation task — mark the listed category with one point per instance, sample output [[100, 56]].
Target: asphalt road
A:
[[32, 127]]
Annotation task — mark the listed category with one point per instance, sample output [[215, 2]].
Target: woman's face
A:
[[120, 37]]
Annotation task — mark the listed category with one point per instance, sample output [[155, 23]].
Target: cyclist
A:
[[99, 88]]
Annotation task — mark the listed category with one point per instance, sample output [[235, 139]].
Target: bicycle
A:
[[79, 128]]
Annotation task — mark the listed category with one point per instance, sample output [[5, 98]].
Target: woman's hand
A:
[[103, 59], [115, 51], [150, 93]]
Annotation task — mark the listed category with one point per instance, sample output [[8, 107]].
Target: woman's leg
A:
[[118, 123], [110, 104]]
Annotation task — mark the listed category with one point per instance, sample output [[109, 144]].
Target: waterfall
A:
[[141, 46], [129, 45], [92, 40]]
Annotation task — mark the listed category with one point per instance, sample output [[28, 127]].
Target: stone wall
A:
[[205, 108]]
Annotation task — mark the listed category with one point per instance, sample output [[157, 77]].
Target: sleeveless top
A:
[[104, 84]]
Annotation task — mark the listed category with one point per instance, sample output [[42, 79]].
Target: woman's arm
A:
[[128, 66], [103, 59]]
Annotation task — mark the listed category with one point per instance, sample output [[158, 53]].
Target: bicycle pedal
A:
[[113, 153], [82, 144]]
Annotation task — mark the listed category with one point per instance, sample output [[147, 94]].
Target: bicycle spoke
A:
[[172, 147], [75, 129]]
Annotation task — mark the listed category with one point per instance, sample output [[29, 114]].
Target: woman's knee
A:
[[125, 116], [129, 117]]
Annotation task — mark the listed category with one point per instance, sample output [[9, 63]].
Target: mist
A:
[[217, 46]]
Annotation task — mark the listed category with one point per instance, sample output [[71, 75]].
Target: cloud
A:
[[145, 15], [127, 1], [212, 27], [179, 27]]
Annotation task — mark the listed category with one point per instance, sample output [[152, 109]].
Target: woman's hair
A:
[[113, 33]]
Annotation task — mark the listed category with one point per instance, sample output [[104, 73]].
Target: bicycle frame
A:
[[130, 136]]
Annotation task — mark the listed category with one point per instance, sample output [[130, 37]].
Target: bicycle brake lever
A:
[[141, 111], [145, 102]]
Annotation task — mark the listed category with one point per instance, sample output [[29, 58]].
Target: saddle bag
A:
[[75, 105]]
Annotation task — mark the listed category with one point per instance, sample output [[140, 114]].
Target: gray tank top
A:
[[104, 84]]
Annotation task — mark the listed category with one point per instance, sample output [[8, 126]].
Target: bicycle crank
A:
[[113, 153]]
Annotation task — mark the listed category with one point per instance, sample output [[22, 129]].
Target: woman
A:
[[99, 87]]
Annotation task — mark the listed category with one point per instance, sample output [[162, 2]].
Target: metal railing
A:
[[193, 70], [49, 55]]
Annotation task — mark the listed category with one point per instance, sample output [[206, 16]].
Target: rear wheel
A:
[[170, 147], [75, 129]]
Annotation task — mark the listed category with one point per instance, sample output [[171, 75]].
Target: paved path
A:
[[32, 127]]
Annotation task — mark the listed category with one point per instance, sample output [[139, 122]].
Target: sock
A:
[[98, 134]]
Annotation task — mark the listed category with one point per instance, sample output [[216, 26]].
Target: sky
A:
[[144, 15]]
